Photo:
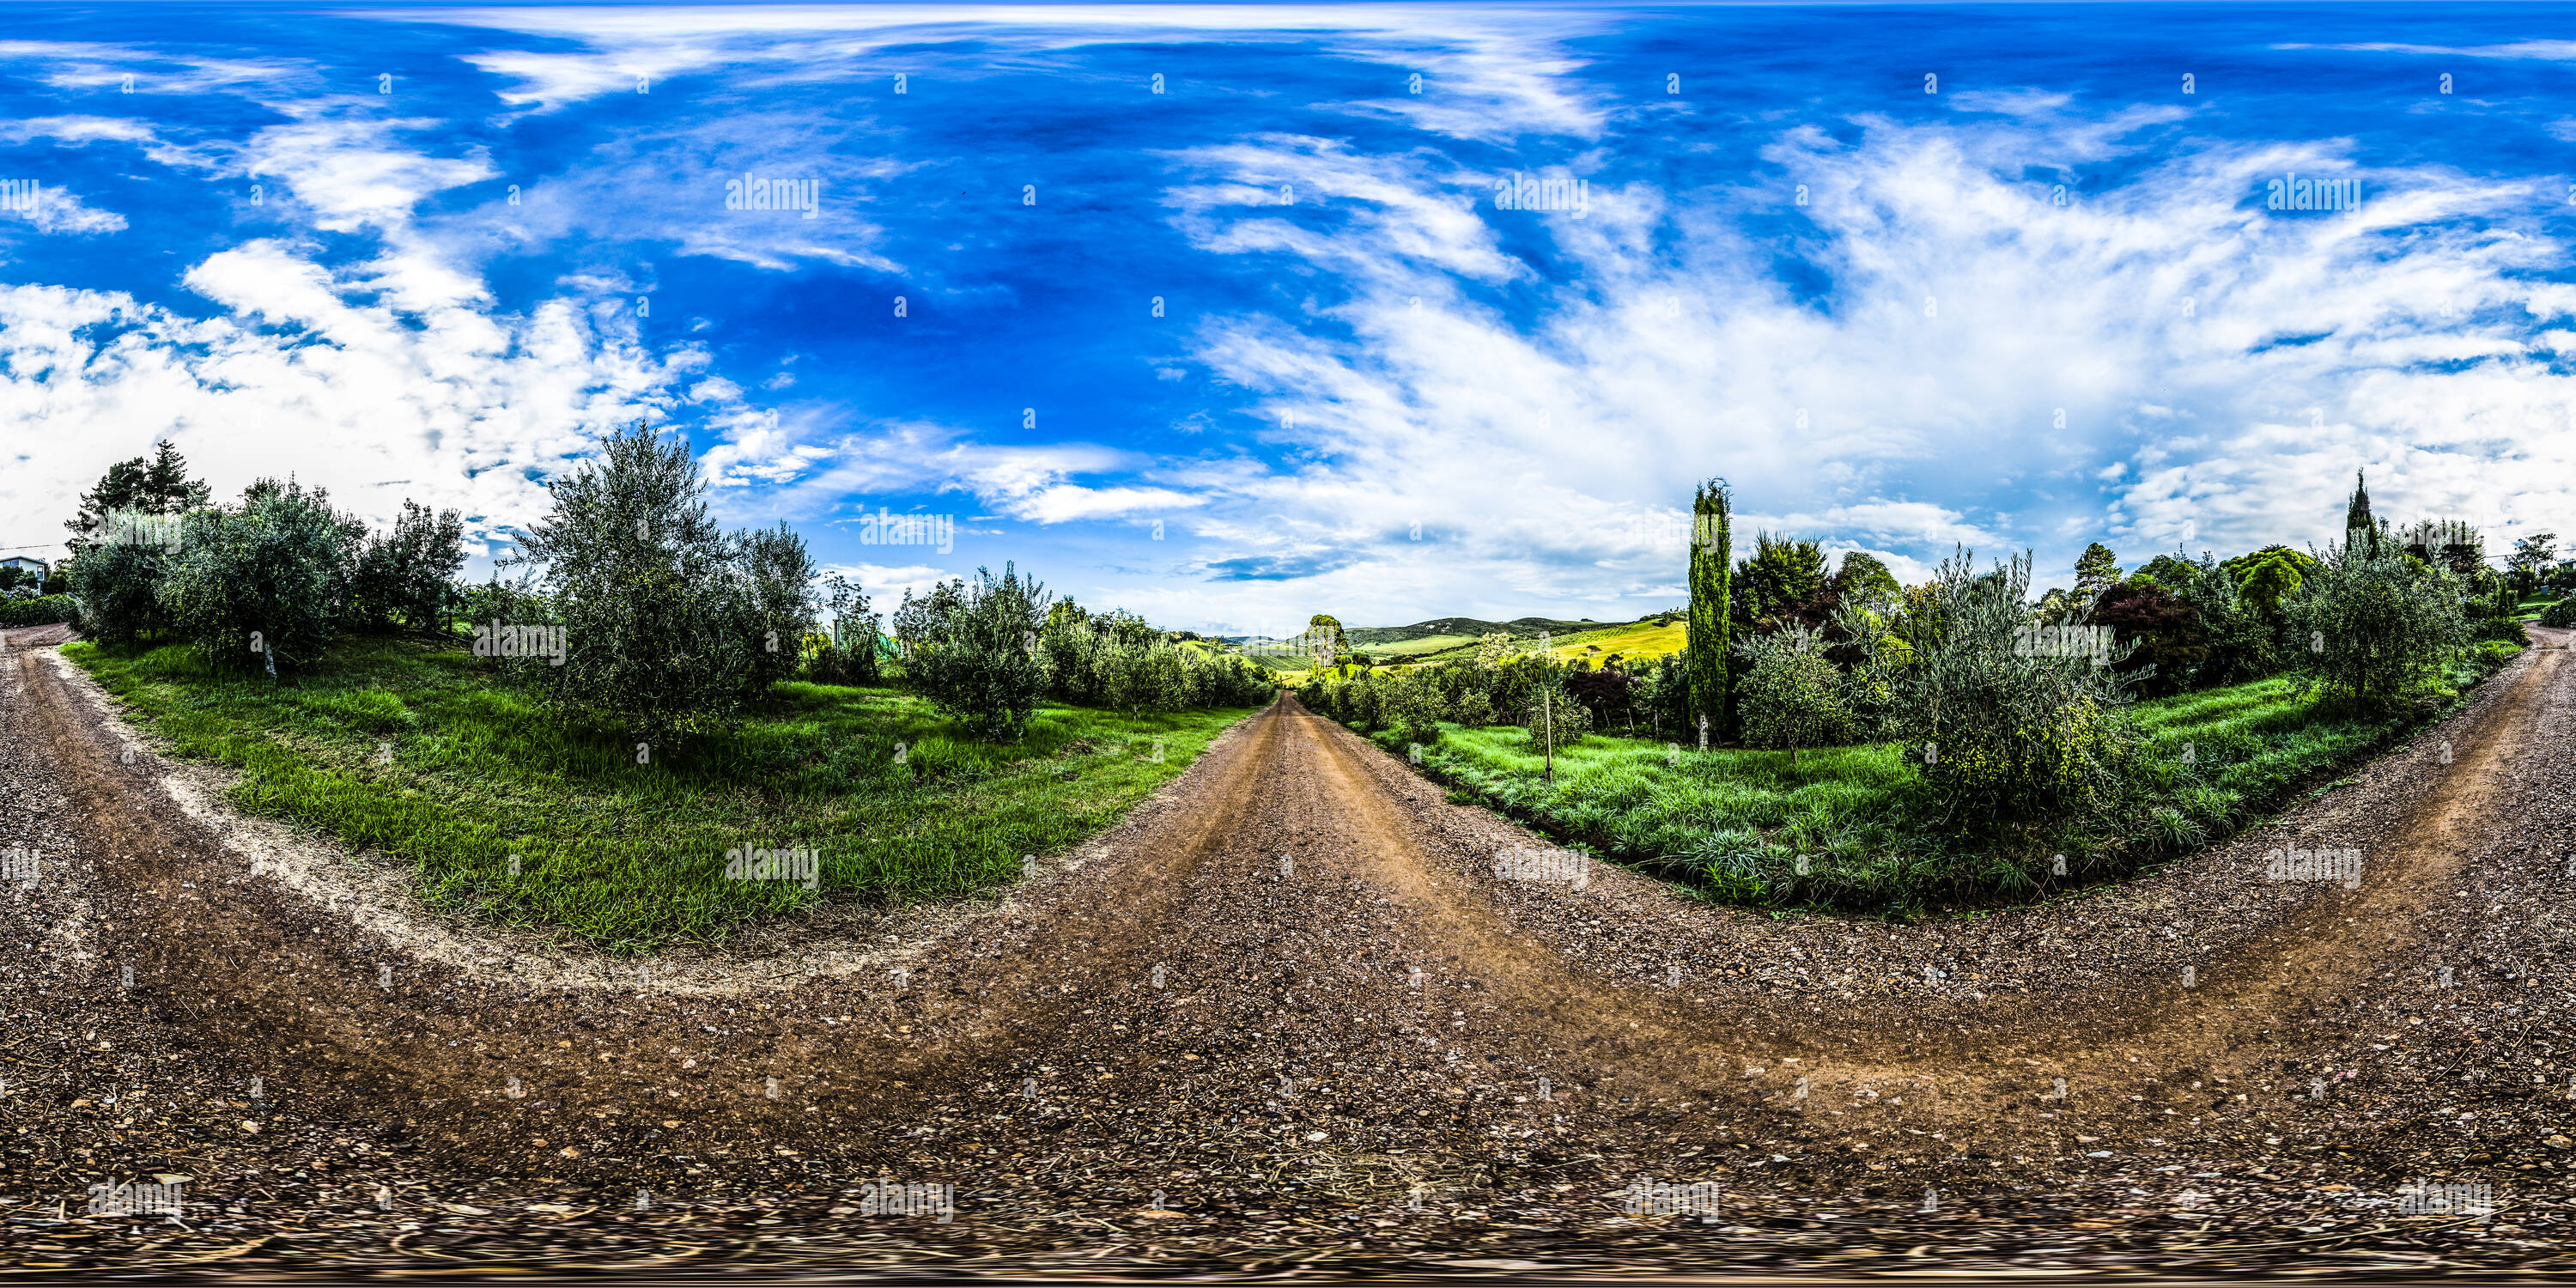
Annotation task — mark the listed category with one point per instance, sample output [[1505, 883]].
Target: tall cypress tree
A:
[[1711, 558], [2357, 515]]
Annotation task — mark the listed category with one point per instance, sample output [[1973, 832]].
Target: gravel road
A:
[[1287, 1019]]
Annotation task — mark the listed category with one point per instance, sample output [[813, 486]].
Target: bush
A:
[[2369, 627], [42, 611], [1790, 694], [2501, 630], [118, 589], [2562, 613], [1608, 694], [1998, 735], [2170, 645], [1476, 709], [777, 604], [973, 649], [404, 578], [500, 601], [668, 622], [1412, 705], [2239, 635], [259, 584]]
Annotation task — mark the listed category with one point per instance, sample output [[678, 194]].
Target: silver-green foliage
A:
[[671, 624], [974, 651], [258, 584], [2370, 625], [2003, 733], [1790, 695]]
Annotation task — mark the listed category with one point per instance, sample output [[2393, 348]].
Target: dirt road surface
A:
[[1288, 1019]]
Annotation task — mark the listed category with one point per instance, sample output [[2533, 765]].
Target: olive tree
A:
[[1790, 694], [259, 584], [2002, 729], [669, 623], [2367, 623]]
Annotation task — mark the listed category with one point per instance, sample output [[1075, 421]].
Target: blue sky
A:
[[2043, 304]]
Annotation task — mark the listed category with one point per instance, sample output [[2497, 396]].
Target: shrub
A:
[[2562, 613], [667, 620], [2170, 645], [404, 578], [118, 588], [2371, 625], [1412, 705], [2500, 630], [261, 582], [1152, 676], [1608, 695], [776, 601], [973, 649], [1476, 709], [2001, 736], [1790, 694], [2239, 635], [500, 601], [42, 611]]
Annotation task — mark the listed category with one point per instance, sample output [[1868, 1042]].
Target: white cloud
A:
[[1966, 311], [452, 407]]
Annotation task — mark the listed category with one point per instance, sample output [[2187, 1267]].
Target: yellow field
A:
[[1637, 642]]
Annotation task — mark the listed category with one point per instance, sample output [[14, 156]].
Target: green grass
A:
[[625, 856], [1845, 827]]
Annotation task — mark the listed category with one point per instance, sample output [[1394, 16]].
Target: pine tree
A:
[[157, 486], [2096, 570], [1710, 554]]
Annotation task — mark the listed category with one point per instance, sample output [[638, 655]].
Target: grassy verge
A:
[[1843, 827], [422, 753]]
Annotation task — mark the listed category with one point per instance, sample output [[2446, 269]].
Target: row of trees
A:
[[992, 648], [669, 625]]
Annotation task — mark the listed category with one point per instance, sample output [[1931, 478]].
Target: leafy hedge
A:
[[39, 612]]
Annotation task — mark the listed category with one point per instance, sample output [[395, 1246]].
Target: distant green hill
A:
[[1466, 627]]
